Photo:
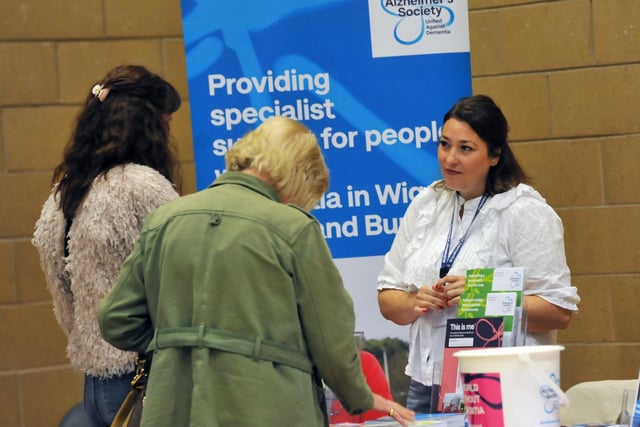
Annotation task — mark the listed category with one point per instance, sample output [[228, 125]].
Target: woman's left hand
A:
[[396, 411], [452, 286]]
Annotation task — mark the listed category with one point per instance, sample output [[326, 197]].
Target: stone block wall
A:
[[567, 74]]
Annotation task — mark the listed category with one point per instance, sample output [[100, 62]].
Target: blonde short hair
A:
[[288, 152]]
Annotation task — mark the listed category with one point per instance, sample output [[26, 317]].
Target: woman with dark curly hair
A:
[[118, 166], [481, 214]]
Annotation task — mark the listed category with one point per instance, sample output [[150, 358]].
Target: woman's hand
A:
[[451, 287], [404, 307], [393, 409], [430, 298]]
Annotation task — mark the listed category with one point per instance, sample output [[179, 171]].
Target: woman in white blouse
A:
[[481, 215]]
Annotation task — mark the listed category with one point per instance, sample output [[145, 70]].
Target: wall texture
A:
[[566, 73]]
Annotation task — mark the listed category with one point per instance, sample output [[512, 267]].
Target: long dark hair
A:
[[482, 114], [125, 123]]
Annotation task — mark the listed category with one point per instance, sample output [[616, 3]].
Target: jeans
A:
[[103, 397], [419, 398], [75, 417]]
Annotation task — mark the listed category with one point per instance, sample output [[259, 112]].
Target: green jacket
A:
[[239, 299]]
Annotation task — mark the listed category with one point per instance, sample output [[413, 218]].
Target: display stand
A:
[[491, 313], [635, 419]]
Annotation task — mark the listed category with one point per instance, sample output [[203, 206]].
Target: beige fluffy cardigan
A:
[[102, 235]]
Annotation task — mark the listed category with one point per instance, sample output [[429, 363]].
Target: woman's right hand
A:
[[404, 307], [393, 409], [430, 298]]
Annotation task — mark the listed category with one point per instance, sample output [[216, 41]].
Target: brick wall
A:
[[51, 53], [566, 72]]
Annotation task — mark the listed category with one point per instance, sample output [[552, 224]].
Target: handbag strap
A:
[[129, 413], [126, 410], [139, 381]]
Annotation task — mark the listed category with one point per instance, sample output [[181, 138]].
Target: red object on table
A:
[[378, 383]]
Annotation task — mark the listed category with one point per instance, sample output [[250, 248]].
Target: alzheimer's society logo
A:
[[418, 27]]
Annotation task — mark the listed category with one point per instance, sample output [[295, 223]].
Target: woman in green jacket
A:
[[234, 291]]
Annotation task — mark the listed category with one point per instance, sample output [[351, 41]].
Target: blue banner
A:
[[371, 79]]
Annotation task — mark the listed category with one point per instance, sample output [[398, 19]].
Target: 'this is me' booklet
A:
[[489, 315]]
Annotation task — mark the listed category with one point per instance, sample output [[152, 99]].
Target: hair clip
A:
[[100, 92]]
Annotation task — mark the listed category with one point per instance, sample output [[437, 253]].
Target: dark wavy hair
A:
[[128, 125], [482, 114]]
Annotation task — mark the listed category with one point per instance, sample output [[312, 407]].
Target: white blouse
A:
[[513, 229]]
